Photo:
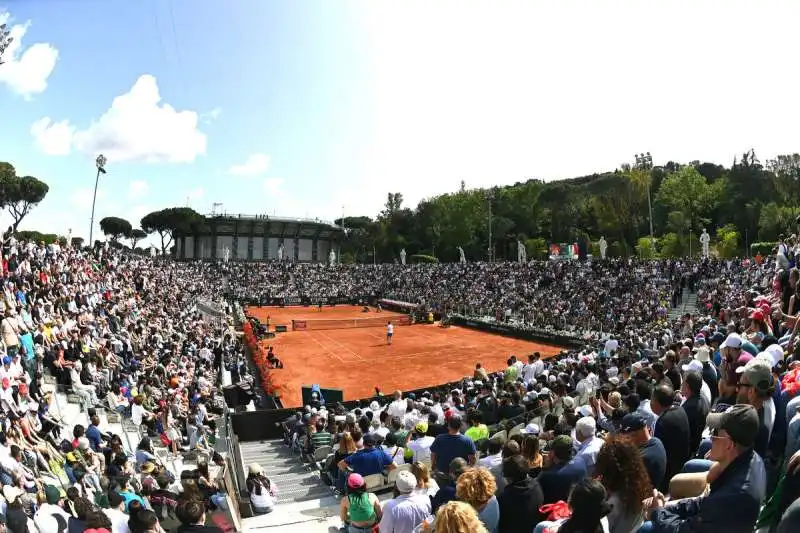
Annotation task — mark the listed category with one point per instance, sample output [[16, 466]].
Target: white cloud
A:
[[137, 189], [256, 165], [81, 197], [207, 118], [53, 138], [273, 185], [137, 127], [26, 71]]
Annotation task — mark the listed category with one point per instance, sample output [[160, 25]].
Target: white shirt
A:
[[397, 408], [389, 329], [48, 509], [137, 411], [421, 448], [119, 520]]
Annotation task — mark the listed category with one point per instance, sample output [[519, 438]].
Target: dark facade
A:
[[258, 238]]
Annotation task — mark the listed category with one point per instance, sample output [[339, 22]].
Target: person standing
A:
[[389, 333]]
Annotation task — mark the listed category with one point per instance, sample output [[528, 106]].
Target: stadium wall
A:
[[258, 238]]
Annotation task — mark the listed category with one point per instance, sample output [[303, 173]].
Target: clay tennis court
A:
[[357, 359]]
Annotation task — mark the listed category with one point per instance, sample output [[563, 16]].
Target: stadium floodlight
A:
[[644, 162], [100, 163]]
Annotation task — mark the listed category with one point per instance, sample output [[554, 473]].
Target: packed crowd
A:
[[672, 427], [121, 335]]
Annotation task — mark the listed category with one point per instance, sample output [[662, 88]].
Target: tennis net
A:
[[346, 323]]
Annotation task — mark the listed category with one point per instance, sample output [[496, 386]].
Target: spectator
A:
[[451, 445], [447, 492], [476, 487], [621, 471], [261, 490], [589, 443], [737, 488], [367, 461], [359, 510], [521, 498], [405, 511], [696, 408], [458, 517], [634, 427], [561, 470], [192, 514], [672, 429]]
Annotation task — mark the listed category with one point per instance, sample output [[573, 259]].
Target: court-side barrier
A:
[[537, 335]]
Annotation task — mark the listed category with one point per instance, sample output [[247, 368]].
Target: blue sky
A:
[[310, 108]]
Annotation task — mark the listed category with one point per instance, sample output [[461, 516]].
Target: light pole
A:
[[489, 198], [100, 162], [645, 162]]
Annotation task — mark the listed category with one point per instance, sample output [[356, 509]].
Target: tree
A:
[[19, 194], [171, 222], [5, 40], [135, 236], [786, 172], [688, 193], [727, 241], [116, 228], [77, 242]]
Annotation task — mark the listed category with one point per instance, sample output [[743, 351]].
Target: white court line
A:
[[330, 352], [342, 346]]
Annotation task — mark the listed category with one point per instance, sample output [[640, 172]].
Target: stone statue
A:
[[153, 251], [705, 238], [461, 257], [69, 238], [280, 252], [332, 257], [227, 254], [603, 247], [522, 252], [403, 256]]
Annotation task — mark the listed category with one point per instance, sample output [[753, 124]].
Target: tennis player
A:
[[389, 333]]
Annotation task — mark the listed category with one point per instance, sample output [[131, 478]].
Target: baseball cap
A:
[[53, 494], [632, 422], [6, 360], [732, 341], [739, 421], [421, 428], [406, 482], [757, 315], [693, 366], [531, 429], [355, 481], [758, 373]]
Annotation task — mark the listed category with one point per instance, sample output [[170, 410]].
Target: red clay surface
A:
[[357, 360]]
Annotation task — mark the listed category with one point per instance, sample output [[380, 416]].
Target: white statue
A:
[[69, 238], [332, 257], [461, 257], [522, 252], [603, 247], [280, 252], [226, 256], [153, 251], [403, 256], [705, 238]]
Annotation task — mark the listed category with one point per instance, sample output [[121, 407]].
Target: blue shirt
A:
[[368, 461], [27, 341], [447, 447], [93, 434], [129, 497]]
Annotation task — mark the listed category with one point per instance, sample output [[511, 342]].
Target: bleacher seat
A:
[[516, 430], [374, 482]]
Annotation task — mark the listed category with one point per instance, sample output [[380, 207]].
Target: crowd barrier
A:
[[531, 334], [259, 356], [346, 323]]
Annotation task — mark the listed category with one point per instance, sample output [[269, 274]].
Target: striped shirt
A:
[[320, 438]]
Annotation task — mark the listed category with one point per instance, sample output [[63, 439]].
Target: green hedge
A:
[[764, 248], [421, 258]]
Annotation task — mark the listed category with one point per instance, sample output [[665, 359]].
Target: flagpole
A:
[[100, 162]]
